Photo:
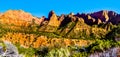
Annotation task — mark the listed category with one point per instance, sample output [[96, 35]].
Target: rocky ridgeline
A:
[[90, 18], [54, 20]]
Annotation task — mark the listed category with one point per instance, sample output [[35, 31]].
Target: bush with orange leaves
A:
[[35, 41]]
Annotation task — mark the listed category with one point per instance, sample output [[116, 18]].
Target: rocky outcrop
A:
[[99, 21], [102, 15]]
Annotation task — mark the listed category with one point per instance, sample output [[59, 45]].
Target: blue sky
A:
[[42, 7]]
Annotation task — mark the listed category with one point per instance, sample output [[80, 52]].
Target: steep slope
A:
[[80, 30], [67, 24]]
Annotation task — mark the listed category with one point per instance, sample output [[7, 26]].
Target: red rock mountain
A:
[[20, 17]]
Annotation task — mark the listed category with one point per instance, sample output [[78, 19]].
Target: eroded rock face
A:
[[102, 15]]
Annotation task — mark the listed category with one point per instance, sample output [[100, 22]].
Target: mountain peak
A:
[[53, 19], [50, 14]]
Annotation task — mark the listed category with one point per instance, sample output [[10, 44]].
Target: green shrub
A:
[[62, 52], [80, 54]]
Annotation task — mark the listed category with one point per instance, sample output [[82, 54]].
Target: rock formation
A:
[[53, 19]]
